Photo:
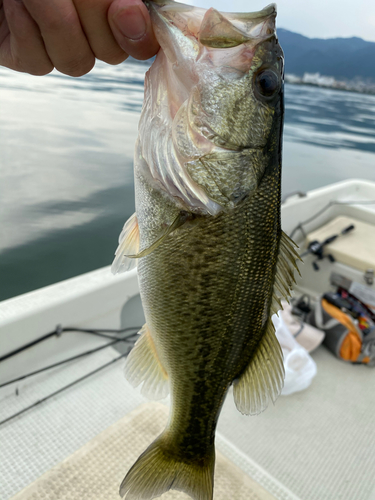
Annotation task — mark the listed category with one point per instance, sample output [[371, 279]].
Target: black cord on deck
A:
[[97, 332], [63, 388], [86, 353], [26, 346], [59, 330]]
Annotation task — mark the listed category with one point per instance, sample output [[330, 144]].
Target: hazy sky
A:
[[312, 18]]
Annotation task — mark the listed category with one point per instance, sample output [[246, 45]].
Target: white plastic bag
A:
[[299, 366]]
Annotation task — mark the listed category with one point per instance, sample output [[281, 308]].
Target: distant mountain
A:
[[338, 57]]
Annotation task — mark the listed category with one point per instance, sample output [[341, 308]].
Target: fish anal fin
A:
[[162, 467], [263, 379], [144, 367], [128, 244]]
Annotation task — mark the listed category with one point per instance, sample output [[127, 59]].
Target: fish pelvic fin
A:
[[128, 244], [263, 379], [163, 467], [143, 366]]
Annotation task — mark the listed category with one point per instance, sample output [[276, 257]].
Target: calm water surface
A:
[[66, 160]]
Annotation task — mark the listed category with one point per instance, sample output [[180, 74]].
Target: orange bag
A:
[[343, 337]]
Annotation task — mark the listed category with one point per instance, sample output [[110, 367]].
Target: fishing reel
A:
[[317, 248]]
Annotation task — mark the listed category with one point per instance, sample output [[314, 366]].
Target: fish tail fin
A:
[[161, 468]]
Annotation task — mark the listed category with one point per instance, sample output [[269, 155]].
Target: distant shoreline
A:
[[317, 80]]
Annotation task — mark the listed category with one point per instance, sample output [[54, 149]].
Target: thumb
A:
[[131, 26]]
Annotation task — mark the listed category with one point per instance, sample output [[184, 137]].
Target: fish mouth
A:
[[216, 29], [181, 7]]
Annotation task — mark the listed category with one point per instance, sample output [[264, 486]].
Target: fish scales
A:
[[213, 262], [209, 319]]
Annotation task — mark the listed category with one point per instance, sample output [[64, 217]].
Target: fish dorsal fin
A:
[[128, 244], [263, 379], [284, 276], [217, 32], [144, 367]]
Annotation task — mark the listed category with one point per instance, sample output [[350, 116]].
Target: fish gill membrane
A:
[[213, 262]]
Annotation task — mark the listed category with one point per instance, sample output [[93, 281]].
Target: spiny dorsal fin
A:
[[143, 366], [285, 267], [263, 379], [217, 32], [128, 244]]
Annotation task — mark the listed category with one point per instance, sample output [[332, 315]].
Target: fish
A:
[[213, 262]]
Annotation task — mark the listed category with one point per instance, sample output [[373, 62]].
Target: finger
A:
[[21, 44], [131, 25], [64, 39], [93, 16]]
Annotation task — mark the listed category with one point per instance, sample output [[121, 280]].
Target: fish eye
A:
[[267, 82]]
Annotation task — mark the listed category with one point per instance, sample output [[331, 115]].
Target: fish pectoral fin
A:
[[163, 466], [181, 218], [128, 244], [127, 252], [144, 367], [263, 378]]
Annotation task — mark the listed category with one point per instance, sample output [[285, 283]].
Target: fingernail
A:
[[131, 23]]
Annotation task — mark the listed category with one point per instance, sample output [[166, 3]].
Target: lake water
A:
[[66, 160]]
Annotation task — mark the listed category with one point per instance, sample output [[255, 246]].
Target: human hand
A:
[[39, 35]]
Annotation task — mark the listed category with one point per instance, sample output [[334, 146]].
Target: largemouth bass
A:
[[213, 262]]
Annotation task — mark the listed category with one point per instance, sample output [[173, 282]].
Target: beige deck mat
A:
[[95, 471]]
